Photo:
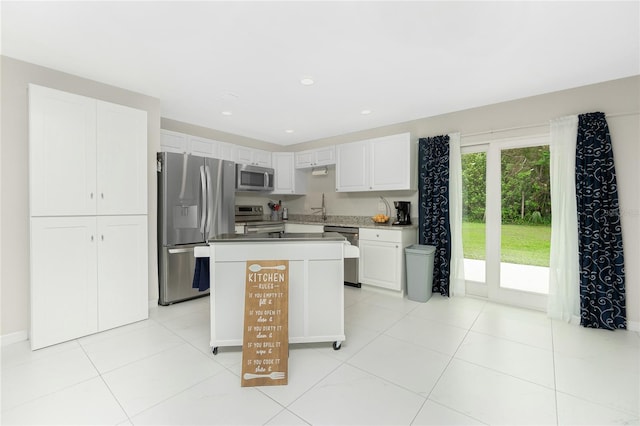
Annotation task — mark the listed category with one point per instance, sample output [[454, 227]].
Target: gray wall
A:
[[14, 172]]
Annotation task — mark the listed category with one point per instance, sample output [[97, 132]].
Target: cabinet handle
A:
[[102, 195], [91, 195], [92, 238], [102, 237]]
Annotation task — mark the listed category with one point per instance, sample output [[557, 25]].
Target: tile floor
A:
[[444, 362]]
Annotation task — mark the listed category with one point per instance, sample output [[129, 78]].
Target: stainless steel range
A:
[[254, 220]]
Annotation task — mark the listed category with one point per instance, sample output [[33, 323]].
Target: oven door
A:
[[254, 178]]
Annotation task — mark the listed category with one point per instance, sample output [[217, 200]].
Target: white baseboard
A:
[[11, 338], [633, 326]]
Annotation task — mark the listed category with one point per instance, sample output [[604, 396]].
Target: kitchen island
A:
[[316, 284]]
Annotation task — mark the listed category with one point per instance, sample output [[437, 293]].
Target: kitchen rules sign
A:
[[265, 347]]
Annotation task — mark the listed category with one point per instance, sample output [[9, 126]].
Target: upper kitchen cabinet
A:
[[86, 156], [380, 164], [252, 156], [121, 160], [181, 143], [316, 157], [288, 179]]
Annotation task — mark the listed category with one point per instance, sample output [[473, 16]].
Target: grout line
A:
[[553, 361]]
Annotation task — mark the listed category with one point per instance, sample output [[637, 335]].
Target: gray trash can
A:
[[419, 262]]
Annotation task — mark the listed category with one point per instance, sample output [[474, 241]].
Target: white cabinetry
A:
[[88, 192], [288, 179], [316, 157], [382, 257], [255, 157], [181, 143], [380, 164]]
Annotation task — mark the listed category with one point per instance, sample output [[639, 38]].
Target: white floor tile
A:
[[286, 418], [192, 327], [433, 335], [433, 414], [411, 366], [218, 400], [517, 359], [576, 411], [494, 398], [144, 383], [456, 311], [26, 381], [87, 403], [162, 371], [306, 368], [371, 316], [123, 348], [350, 396], [20, 352], [611, 381], [502, 323]]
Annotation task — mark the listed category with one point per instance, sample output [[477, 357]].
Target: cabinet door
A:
[[391, 162], [63, 279], [123, 285], [380, 264], [121, 159], [288, 179], [62, 152], [304, 159], [262, 158], [325, 156], [173, 142], [203, 147], [352, 167], [225, 151], [243, 155]]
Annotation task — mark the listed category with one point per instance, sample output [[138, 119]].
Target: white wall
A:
[[14, 222]]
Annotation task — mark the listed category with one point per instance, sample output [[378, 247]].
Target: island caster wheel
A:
[[337, 346], [215, 350]]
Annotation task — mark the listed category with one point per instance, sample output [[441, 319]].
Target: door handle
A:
[[203, 190], [181, 250]]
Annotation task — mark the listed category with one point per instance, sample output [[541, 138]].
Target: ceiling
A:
[[399, 60]]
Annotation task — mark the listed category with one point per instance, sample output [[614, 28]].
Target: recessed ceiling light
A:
[[227, 113], [288, 131], [307, 81], [365, 112]]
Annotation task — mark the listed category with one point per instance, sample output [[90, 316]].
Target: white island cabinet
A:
[[316, 285]]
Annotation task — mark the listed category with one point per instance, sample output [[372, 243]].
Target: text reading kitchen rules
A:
[[265, 347]]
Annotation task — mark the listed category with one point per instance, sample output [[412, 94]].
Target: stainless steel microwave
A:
[[254, 178]]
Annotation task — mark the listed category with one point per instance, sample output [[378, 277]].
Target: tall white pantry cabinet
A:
[[88, 208]]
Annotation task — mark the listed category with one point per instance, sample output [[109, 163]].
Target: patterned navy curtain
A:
[[601, 258], [433, 214]]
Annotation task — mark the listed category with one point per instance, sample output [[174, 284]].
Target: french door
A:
[[506, 220]]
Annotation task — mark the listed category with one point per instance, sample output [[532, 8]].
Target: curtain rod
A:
[[531, 126]]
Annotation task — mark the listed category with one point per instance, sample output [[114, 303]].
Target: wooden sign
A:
[[265, 348]]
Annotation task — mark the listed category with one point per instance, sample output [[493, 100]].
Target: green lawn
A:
[[522, 244]]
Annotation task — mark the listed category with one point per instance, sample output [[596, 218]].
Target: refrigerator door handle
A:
[[210, 197], [203, 190]]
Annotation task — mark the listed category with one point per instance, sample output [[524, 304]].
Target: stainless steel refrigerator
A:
[[196, 202]]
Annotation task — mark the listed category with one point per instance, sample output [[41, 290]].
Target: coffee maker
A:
[[403, 212]]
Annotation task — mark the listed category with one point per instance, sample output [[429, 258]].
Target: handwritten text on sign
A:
[[265, 347]]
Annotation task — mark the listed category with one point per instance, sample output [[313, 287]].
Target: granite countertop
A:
[[352, 221], [273, 237]]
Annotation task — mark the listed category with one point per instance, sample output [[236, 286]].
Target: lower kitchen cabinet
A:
[[88, 274], [382, 257]]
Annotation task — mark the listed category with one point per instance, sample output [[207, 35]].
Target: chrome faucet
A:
[[322, 209]]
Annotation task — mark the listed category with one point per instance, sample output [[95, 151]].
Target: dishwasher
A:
[[350, 265]]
